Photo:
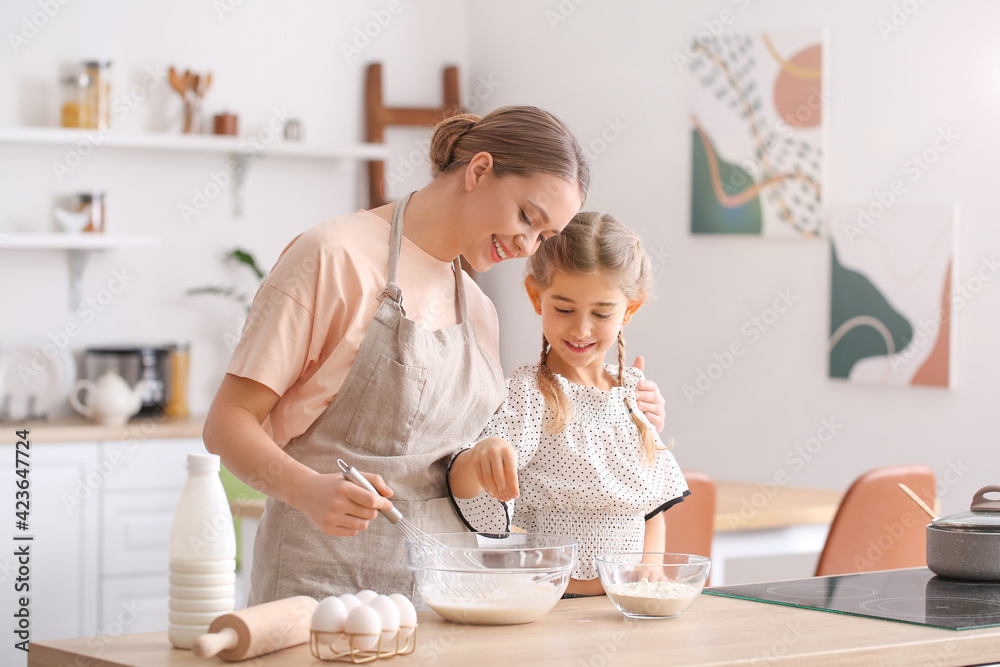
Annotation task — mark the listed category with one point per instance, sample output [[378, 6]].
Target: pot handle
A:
[[980, 503]]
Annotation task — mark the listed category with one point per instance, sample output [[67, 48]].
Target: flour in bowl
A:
[[652, 598]]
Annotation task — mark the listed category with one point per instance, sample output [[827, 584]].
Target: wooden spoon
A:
[[205, 83], [908, 491], [177, 82]]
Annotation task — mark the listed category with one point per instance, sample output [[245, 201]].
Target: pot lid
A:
[[984, 515]]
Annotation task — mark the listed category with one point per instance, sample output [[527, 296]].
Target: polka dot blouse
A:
[[590, 481]]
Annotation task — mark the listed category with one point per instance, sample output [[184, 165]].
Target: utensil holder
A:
[[327, 652]]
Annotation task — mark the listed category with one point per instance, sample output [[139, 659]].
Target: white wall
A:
[[613, 63], [608, 64], [263, 56]]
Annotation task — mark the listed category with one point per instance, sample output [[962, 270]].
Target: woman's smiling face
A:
[[508, 217]]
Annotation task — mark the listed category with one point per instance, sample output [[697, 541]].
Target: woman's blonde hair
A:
[[592, 243], [523, 140]]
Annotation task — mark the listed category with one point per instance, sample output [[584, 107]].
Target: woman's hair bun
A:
[[446, 134]]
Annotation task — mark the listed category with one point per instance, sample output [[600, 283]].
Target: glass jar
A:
[[75, 101], [93, 202], [99, 93], [177, 401]]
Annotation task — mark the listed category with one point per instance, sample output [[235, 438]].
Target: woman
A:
[[368, 343]]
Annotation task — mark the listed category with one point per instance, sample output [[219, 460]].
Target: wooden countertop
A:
[[590, 631], [739, 506], [78, 429]]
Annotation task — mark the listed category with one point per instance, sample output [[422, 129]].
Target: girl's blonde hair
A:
[[592, 243], [523, 140]]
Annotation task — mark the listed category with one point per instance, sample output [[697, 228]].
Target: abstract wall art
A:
[[756, 134], [892, 303]]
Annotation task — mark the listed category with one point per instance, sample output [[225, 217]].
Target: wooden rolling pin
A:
[[257, 630]]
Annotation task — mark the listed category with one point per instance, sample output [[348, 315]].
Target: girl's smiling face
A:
[[582, 314]]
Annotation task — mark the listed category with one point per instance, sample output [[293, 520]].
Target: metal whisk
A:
[[411, 532], [479, 588]]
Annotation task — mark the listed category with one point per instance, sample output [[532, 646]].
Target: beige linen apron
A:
[[411, 398]]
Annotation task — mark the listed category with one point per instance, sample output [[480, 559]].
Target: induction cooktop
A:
[[907, 596]]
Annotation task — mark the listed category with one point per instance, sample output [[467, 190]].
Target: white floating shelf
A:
[[79, 246], [191, 143], [80, 241]]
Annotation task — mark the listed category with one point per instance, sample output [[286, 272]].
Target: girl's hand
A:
[[585, 587], [340, 507], [650, 401], [495, 464], [651, 572]]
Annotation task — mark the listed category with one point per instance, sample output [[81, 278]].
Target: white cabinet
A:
[[138, 506], [100, 515], [63, 556]]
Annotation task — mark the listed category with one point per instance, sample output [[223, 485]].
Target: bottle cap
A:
[[203, 463]]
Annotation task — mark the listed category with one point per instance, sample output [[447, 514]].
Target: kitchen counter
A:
[[78, 429], [590, 631]]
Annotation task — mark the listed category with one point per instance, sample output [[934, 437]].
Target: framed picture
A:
[[892, 294], [756, 134]]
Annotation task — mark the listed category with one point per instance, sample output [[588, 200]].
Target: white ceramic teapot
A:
[[110, 401]]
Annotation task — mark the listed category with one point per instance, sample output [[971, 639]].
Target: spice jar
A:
[[177, 399], [93, 202], [75, 105], [99, 93]]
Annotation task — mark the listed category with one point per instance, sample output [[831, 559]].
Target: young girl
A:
[[570, 443]]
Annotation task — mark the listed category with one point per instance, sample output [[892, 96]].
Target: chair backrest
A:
[[690, 524], [877, 526]]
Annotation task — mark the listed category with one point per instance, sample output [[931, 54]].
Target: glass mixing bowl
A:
[[492, 579], [652, 585]]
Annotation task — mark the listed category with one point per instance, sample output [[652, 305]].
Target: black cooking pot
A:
[[967, 545]]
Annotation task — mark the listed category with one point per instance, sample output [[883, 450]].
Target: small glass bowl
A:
[[652, 585]]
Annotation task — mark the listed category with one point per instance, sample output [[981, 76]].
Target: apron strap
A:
[[392, 291], [460, 291]]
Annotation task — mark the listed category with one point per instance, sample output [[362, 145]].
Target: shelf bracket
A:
[[242, 161], [77, 262]]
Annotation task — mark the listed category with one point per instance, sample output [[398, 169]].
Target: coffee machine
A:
[[150, 363]]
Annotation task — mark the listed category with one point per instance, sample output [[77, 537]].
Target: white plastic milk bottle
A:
[[202, 554]]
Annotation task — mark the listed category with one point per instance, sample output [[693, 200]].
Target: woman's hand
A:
[[339, 506], [650, 401], [491, 466]]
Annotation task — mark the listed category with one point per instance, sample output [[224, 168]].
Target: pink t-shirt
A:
[[312, 312]]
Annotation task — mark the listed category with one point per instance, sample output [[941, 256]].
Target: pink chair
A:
[[877, 526], [690, 524]]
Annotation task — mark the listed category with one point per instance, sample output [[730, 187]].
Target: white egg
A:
[[365, 625], [350, 601], [328, 620], [389, 613], [366, 596], [407, 615]]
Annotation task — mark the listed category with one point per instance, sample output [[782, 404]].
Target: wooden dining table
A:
[[756, 520]]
